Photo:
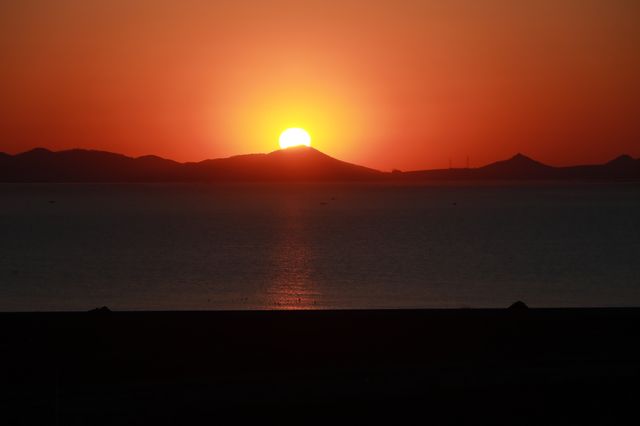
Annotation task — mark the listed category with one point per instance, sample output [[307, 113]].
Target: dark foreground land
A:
[[539, 366]]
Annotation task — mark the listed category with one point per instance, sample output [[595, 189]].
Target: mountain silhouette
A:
[[622, 161], [298, 163], [292, 164], [517, 167], [521, 167], [77, 165]]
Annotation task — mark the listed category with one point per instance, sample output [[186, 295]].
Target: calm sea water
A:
[[157, 247]]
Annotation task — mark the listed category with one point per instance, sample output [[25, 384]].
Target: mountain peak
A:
[[519, 157], [300, 150], [519, 160], [620, 160], [37, 151], [519, 166], [301, 154], [154, 158]]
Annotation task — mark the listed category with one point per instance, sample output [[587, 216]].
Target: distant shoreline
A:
[[532, 183], [300, 164]]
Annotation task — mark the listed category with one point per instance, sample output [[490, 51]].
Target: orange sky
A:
[[388, 84]]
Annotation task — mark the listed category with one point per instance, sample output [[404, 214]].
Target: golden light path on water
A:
[[292, 286]]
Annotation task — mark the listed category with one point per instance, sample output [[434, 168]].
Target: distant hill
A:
[[78, 165], [521, 167], [302, 163], [293, 164], [299, 163], [517, 167]]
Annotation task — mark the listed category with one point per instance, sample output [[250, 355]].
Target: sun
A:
[[294, 136]]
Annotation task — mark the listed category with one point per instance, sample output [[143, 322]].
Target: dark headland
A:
[[293, 164], [495, 366]]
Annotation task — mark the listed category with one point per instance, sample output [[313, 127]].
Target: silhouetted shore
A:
[[519, 366], [298, 164]]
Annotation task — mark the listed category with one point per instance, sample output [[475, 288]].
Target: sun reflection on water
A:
[[292, 286]]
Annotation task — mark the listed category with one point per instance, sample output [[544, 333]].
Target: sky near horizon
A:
[[387, 84]]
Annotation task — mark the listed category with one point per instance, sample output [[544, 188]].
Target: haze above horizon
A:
[[387, 85]]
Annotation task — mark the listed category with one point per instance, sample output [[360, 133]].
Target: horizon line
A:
[[303, 147]]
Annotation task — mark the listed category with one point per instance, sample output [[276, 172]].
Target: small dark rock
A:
[[518, 306], [102, 311]]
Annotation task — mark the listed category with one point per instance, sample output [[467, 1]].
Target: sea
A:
[[75, 247]]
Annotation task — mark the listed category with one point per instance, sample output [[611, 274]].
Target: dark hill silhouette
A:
[[299, 163], [78, 165], [622, 161], [293, 164], [521, 167], [622, 167], [517, 167]]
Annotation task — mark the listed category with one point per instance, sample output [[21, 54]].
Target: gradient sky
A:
[[388, 84]]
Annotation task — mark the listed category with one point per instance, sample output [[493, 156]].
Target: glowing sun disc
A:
[[294, 137]]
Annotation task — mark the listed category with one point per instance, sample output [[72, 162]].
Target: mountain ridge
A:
[[292, 164]]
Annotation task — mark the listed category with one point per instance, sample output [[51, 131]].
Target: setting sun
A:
[[294, 137]]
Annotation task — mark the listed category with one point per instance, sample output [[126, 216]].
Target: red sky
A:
[[387, 84]]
